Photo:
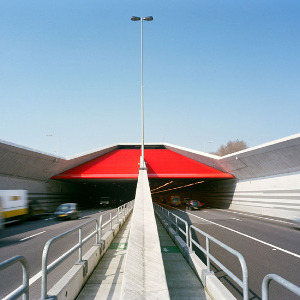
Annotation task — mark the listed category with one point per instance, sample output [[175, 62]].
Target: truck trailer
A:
[[13, 205]]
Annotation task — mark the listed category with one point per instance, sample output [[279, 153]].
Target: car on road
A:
[[296, 222], [195, 204], [67, 211]]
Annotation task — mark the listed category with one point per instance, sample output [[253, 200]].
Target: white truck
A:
[[13, 205]]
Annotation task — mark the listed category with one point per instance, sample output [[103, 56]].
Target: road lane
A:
[[28, 239], [267, 245]]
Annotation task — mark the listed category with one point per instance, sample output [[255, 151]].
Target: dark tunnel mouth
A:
[[87, 192]]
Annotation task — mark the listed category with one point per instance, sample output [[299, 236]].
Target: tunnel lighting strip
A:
[[179, 187], [162, 186]]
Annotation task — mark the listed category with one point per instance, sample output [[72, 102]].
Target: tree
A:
[[231, 147]]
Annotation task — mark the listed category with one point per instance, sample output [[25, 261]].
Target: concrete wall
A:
[[267, 178], [266, 182]]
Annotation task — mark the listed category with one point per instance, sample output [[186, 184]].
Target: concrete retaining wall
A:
[[276, 196]]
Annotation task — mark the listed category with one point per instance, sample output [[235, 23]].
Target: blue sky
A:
[[213, 71]]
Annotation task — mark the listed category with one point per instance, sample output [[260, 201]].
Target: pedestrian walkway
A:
[[181, 279], [106, 280]]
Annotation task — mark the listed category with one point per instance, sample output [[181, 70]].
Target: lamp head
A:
[[150, 18], [135, 18]]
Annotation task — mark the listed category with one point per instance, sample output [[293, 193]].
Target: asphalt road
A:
[[28, 239], [268, 245]]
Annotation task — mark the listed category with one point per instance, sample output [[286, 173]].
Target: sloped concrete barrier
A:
[[144, 275]]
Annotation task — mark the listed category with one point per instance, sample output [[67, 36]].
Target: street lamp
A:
[[142, 160]]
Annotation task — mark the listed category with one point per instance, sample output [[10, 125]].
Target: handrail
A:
[[23, 290], [287, 284], [47, 269], [121, 210], [242, 283], [167, 215]]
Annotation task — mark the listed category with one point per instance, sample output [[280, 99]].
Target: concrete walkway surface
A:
[[106, 280], [181, 279]]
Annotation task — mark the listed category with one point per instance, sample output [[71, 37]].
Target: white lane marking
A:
[[34, 278], [236, 219], [48, 219], [39, 274], [26, 238], [246, 235], [264, 218]]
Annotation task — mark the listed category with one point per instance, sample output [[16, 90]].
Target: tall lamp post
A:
[[142, 160]]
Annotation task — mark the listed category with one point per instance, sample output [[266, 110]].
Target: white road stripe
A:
[[258, 217], [236, 219], [32, 236], [34, 278], [245, 235]]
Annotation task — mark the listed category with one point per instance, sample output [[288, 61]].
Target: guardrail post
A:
[[24, 288], [118, 215], [280, 280], [187, 234], [110, 221], [100, 229], [176, 222], [25, 268], [80, 245], [44, 272], [190, 240], [97, 233], [207, 254]]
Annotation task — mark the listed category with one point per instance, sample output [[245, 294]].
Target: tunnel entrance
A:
[[87, 193], [210, 191], [114, 174]]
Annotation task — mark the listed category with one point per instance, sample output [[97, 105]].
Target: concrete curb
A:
[[213, 286], [69, 286]]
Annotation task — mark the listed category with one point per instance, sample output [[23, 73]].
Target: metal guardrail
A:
[[23, 290], [242, 283], [167, 216], [266, 282], [174, 220], [121, 211]]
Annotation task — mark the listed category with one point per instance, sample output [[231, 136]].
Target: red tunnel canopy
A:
[[124, 164]]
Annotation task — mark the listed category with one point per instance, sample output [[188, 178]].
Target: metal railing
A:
[[167, 216], [121, 212], [23, 290], [266, 282], [174, 220], [242, 283]]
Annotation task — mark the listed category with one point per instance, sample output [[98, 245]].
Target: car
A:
[[67, 211], [296, 222], [195, 204]]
